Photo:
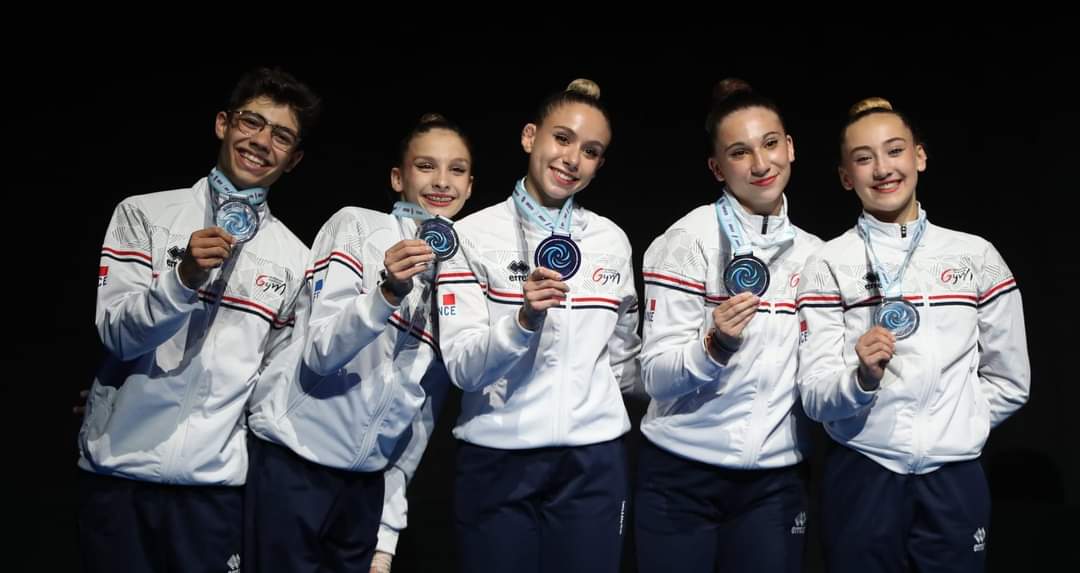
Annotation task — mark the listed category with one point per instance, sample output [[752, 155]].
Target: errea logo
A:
[[872, 282], [980, 540], [519, 271], [800, 524], [176, 254]]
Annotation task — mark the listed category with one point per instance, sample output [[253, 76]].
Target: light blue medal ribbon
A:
[[745, 272], [558, 252], [895, 314]]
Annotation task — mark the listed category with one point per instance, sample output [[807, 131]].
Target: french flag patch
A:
[[449, 305]]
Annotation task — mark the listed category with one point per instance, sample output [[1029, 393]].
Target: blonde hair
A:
[[873, 105], [581, 90], [870, 104], [585, 87]]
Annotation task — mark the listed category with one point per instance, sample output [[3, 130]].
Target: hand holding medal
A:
[[874, 349], [207, 249], [543, 290], [729, 320], [404, 260]]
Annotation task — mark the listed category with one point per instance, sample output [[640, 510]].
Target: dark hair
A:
[[731, 95], [428, 122], [283, 89]]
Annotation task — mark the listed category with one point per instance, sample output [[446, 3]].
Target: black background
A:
[[1000, 130]]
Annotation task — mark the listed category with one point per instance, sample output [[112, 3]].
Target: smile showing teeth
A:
[[439, 199], [887, 186], [253, 159], [562, 178]]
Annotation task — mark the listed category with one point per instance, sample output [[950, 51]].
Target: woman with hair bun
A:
[[720, 481], [538, 319], [914, 349], [342, 415]]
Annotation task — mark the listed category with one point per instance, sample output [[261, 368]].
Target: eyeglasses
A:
[[251, 123]]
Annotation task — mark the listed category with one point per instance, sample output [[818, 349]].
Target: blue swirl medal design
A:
[[746, 273], [898, 316], [435, 230], [238, 218], [438, 232], [559, 253], [236, 211]]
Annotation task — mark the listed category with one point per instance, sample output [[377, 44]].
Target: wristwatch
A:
[[399, 289]]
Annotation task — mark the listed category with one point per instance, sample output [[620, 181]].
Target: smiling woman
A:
[[324, 441], [915, 349], [720, 481], [541, 475]]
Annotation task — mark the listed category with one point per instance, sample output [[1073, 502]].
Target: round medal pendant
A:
[[239, 219], [898, 316], [746, 273], [440, 235], [559, 253]]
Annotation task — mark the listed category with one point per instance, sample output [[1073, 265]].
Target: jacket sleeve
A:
[[137, 309], [674, 359], [478, 349], [1004, 369], [827, 382], [345, 317]]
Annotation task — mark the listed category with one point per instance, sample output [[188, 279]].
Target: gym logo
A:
[[954, 276], [605, 276], [267, 283]]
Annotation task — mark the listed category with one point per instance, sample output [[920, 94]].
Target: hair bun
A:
[[868, 104]]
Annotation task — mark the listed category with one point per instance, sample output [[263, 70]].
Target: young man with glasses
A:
[[196, 289]]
